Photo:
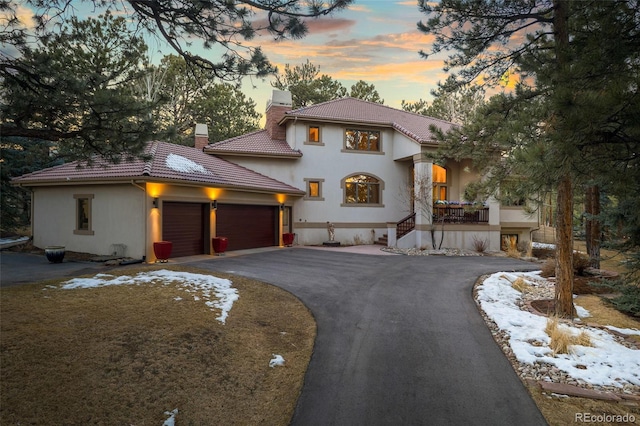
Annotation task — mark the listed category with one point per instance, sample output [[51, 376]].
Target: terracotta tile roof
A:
[[352, 110], [258, 142], [168, 162]]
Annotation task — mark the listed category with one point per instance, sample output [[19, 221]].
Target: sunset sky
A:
[[374, 40]]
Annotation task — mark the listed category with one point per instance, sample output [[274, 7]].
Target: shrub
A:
[[580, 263], [628, 301], [548, 268], [520, 284], [480, 245], [562, 339], [514, 252]]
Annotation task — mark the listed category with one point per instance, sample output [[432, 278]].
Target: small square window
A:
[[314, 134], [314, 189]]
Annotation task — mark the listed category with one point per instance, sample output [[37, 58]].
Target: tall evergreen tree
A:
[[307, 86], [77, 91], [365, 91], [226, 111], [554, 124], [48, 74], [454, 106]]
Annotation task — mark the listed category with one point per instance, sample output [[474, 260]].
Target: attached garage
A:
[[247, 226], [185, 226]]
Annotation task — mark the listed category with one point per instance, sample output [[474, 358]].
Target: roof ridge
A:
[[148, 165], [315, 105], [376, 104], [237, 137]]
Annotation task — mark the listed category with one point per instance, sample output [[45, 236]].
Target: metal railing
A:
[[406, 225], [460, 214]]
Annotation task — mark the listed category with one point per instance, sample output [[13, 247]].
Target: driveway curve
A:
[[400, 340]]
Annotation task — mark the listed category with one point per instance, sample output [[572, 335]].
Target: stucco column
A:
[[423, 197]]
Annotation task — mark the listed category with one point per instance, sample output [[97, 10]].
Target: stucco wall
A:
[[328, 162], [117, 217]]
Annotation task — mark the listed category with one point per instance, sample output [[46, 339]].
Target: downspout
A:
[[146, 218]]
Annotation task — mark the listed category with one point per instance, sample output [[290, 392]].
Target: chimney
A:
[[202, 136], [279, 103]]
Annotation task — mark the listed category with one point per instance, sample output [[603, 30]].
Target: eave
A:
[[141, 179]]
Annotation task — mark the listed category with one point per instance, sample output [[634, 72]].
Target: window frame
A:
[[345, 147], [380, 190], [79, 228], [439, 187], [308, 182], [308, 140]]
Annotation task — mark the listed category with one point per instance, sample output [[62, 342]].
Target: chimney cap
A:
[[202, 130], [280, 98]]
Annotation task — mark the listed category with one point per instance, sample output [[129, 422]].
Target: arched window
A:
[[361, 189], [439, 178]]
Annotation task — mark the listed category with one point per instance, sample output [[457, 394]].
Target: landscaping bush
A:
[[628, 301], [580, 263], [480, 245]]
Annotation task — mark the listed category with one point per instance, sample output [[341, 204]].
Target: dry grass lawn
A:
[[123, 355]]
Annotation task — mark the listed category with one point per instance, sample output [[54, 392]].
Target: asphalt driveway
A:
[[400, 339]]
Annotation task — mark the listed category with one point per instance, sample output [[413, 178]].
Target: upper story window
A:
[[314, 134], [439, 179], [362, 140], [362, 189]]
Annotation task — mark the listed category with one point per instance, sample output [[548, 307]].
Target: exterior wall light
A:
[[214, 205], [281, 207], [155, 203]]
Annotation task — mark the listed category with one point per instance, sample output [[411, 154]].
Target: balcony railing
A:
[[460, 214]]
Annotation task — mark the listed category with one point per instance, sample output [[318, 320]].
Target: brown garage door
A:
[[183, 224], [247, 226]]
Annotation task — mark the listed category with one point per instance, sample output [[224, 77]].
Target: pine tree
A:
[[569, 117]]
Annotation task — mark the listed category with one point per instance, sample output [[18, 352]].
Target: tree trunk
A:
[[592, 225], [564, 251], [564, 225]]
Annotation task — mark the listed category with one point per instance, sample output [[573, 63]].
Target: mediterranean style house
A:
[[363, 167], [358, 165]]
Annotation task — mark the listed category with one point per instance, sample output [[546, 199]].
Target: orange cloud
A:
[[318, 26]]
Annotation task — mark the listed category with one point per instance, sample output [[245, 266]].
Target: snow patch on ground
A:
[[607, 363], [627, 331], [171, 421], [217, 292], [537, 245], [184, 165], [277, 360]]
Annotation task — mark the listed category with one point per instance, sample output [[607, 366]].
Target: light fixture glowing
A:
[[214, 204], [155, 203]]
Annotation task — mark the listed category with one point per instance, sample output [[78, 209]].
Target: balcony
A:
[[457, 213]]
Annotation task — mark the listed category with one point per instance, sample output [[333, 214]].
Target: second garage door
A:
[[247, 226]]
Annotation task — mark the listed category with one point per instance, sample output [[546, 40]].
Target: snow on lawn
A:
[[607, 363], [538, 245], [216, 292]]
